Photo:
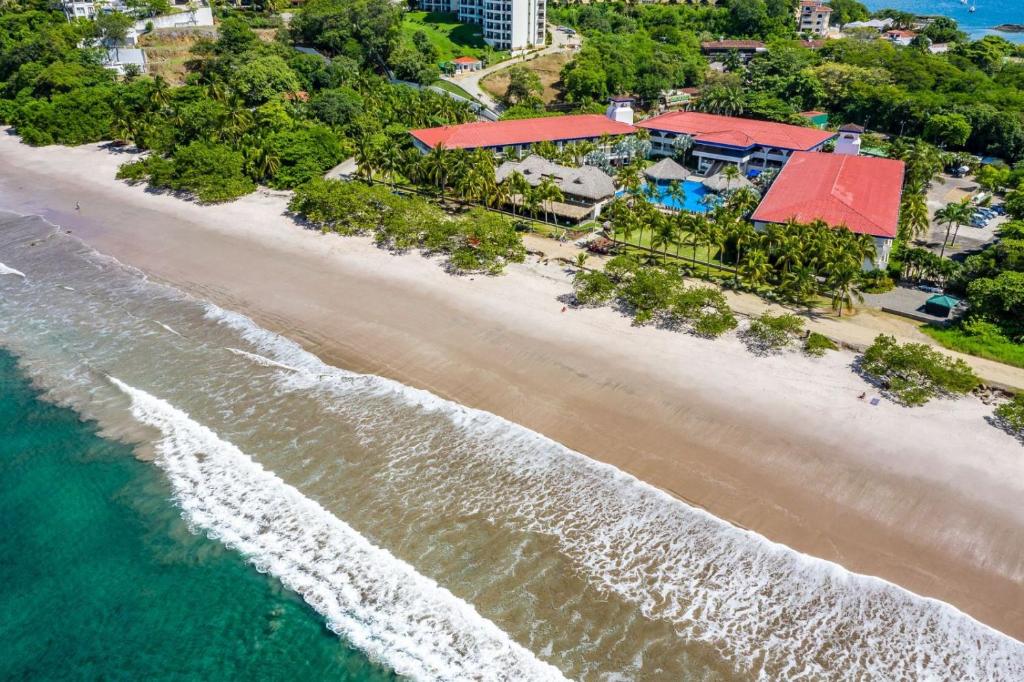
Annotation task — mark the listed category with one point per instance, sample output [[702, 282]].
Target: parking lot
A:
[[950, 190]]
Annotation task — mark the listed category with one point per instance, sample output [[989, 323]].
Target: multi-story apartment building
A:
[[507, 24], [88, 8], [813, 16]]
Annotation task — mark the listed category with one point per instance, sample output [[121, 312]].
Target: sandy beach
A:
[[928, 498]]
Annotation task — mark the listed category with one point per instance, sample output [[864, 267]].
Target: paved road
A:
[[470, 82]]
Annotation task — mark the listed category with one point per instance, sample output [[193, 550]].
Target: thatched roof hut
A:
[[666, 170]]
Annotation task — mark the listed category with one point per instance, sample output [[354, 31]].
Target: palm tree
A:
[[699, 231], [756, 267], [843, 283], [435, 168], [517, 187], [914, 214], [629, 178], [954, 214], [800, 283], [159, 92], [677, 193], [547, 192], [743, 232], [663, 234], [743, 201], [731, 172], [366, 157], [964, 212]]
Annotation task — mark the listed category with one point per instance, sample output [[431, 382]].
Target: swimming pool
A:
[[694, 201]]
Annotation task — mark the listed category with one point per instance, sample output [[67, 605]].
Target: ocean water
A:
[[101, 578], [443, 542], [987, 15]]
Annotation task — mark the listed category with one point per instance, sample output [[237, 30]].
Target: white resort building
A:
[[507, 24], [813, 16]]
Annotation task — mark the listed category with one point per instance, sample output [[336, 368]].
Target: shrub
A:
[[769, 332], [817, 345], [706, 310], [650, 293], [876, 282], [914, 373], [593, 288], [1010, 416]]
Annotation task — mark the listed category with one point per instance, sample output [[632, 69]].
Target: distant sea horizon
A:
[[977, 24]]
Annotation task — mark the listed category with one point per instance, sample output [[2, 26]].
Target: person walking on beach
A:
[[77, 207]]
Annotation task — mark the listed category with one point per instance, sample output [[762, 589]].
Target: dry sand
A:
[[928, 498]]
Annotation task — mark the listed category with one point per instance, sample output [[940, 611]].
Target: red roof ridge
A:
[[861, 194]]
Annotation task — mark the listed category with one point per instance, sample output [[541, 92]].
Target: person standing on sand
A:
[[77, 207]]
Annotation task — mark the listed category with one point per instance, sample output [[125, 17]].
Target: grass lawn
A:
[[685, 251], [1000, 350], [452, 87], [451, 38]]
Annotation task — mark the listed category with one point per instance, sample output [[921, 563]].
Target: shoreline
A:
[[883, 491]]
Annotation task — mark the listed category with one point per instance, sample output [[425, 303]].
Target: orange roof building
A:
[[727, 139], [519, 133], [859, 193]]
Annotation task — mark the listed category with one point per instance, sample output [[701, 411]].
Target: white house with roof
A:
[[717, 140], [813, 16]]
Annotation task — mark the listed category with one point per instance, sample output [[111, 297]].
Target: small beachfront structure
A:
[[719, 182], [585, 190], [726, 139], [666, 171], [461, 65], [858, 193], [746, 50], [517, 136]]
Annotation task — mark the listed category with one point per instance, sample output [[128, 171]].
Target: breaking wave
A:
[[5, 270], [774, 612], [377, 602]]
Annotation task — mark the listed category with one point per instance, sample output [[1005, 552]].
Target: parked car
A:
[[931, 289]]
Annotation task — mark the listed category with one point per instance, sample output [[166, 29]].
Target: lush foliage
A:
[[914, 373], [479, 241], [794, 261], [1011, 415], [640, 50], [816, 345], [654, 294], [771, 333]]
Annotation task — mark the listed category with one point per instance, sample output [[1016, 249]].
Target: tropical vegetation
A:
[[914, 373]]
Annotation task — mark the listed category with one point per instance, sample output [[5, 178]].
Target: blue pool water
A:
[[694, 201]]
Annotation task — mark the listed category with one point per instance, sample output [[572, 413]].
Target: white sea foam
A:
[[376, 601], [167, 328], [777, 613], [5, 270]]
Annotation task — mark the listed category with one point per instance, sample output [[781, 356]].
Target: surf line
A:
[[376, 601]]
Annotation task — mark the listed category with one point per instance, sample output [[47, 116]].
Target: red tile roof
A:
[[737, 132], [733, 45], [521, 131], [466, 60], [858, 192]]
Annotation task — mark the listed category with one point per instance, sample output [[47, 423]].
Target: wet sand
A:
[[927, 498]]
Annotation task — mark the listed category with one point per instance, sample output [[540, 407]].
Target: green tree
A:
[[262, 78], [913, 373], [524, 86], [948, 130]]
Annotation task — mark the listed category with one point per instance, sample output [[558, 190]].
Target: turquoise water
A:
[[102, 580], [978, 24], [694, 201]]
